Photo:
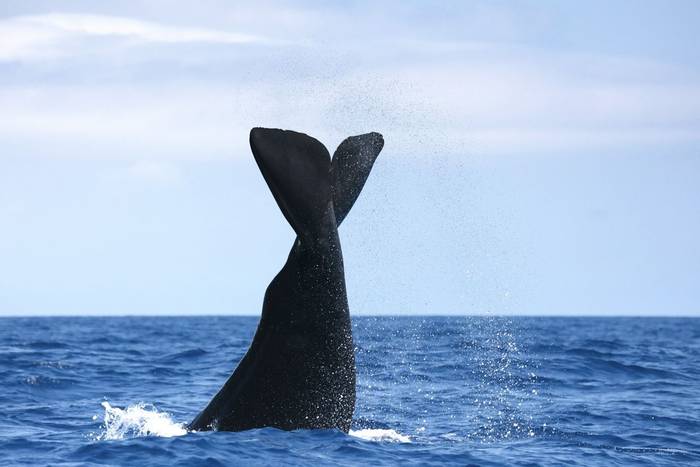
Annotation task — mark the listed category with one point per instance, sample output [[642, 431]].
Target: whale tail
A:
[[304, 179]]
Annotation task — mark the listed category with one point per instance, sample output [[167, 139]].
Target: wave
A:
[[48, 381], [383, 435], [46, 345], [185, 354]]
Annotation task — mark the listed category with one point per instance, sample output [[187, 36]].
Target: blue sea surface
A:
[[431, 391]]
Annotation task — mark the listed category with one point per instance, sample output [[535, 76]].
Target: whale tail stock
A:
[[303, 178]]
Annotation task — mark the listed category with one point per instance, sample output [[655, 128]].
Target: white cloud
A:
[[22, 40], [51, 35], [426, 95], [477, 109], [516, 141], [99, 25]]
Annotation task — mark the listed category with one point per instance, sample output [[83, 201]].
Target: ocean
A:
[[486, 391]]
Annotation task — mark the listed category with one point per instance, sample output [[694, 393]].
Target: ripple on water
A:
[[536, 391]]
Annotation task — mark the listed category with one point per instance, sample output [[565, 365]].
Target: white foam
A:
[[390, 436], [138, 420], [145, 420]]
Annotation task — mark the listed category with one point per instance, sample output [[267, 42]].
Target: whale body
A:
[[299, 372]]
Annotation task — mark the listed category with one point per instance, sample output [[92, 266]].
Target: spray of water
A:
[[135, 421]]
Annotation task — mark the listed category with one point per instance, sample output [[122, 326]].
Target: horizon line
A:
[[363, 315]]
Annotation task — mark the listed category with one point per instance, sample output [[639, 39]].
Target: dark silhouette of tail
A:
[[304, 180], [299, 371]]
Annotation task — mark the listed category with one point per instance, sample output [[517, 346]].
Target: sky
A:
[[541, 157]]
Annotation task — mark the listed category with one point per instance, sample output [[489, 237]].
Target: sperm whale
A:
[[299, 372]]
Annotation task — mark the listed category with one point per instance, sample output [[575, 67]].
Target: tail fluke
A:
[[302, 178], [296, 168], [352, 163]]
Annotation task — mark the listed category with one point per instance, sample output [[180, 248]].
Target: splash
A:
[[145, 420], [380, 435], [137, 420], [505, 388]]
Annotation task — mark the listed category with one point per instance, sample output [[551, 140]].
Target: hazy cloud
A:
[[186, 94], [49, 35]]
